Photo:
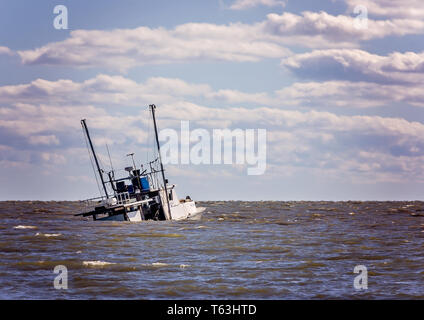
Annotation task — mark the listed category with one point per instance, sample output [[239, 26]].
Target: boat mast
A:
[[153, 107], [84, 126]]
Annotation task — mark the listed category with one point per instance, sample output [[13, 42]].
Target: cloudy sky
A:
[[342, 103]]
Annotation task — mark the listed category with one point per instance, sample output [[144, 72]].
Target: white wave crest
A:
[[159, 264], [48, 234], [24, 227], [96, 263]]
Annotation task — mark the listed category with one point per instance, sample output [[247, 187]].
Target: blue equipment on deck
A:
[[144, 184]]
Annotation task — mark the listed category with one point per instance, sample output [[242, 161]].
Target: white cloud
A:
[[276, 119], [235, 96], [46, 140], [350, 94], [5, 50], [247, 4], [122, 49], [339, 29], [53, 158], [103, 89], [359, 65], [323, 140], [56, 117], [46, 115], [391, 8], [48, 124]]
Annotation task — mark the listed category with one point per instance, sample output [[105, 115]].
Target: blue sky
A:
[[342, 106]]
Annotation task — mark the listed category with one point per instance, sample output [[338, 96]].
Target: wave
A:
[[48, 235], [159, 264], [24, 227], [96, 263]]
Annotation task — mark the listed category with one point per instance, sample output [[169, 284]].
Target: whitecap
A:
[[96, 263], [24, 227], [159, 264], [48, 234]]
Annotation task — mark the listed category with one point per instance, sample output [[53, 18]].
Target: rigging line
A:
[[101, 167], [110, 160], [155, 151], [101, 162], [151, 146], [149, 135], [92, 164]]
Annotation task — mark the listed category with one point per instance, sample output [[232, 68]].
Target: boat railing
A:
[[123, 198], [93, 201]]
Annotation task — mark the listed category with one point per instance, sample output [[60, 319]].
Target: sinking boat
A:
[[144, 194]]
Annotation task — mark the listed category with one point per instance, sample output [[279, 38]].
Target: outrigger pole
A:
[[153, 107], [84, 126]]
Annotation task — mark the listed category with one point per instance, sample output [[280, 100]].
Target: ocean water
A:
[[238, 250]]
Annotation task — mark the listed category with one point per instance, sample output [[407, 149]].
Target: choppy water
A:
[[239, 250]]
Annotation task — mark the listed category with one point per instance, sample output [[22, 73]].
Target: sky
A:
[[339, 94]]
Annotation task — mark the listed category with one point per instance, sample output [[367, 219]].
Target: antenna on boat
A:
[[152, 108], [132, 157], [84, 126]]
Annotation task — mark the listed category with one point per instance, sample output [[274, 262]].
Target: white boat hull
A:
[[182, 211], [124, 208], [134, 216]]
